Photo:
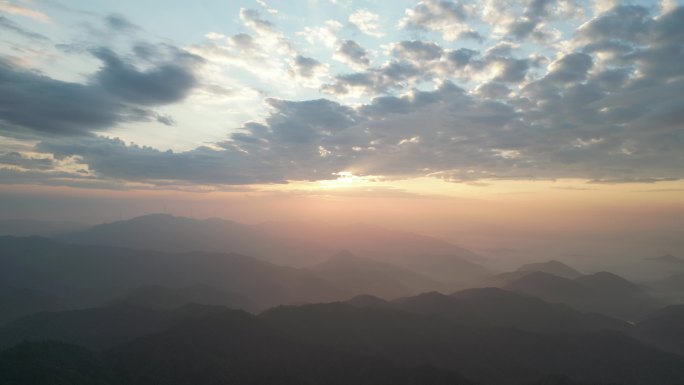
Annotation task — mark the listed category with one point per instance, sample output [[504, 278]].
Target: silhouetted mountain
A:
[[16, 303], [667, 259], [335, 343], [602, 292], [94, 274], [289, 243], [490, 355], [429, 256], [160, 297], [99, 328], [237, 348], [665, 327], [551, 288], [358, 275], [369, 240], [500, 308], [164, 232], [551, 267], [227, 347], [369, 300], [52, 363], [609, 283]]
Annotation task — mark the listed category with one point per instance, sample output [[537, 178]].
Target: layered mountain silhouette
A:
[[600, 292], [164, 232], [489, 355], [283, 243], [668, 259], [555, 268], [551, 267], [182, 303], [464, 338], [90, 275], [431, 257], [160, 297], [665, 327], [359, 275], [18, 302]]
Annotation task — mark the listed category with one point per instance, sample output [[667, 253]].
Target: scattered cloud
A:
[[20, 10], [367, 22]]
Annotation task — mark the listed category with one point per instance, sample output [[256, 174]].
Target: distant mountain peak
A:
[[667, 258], [344, 254], [552, 267], [367, 300]]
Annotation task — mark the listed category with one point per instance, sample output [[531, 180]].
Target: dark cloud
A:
[[163, 84], [461, 57], [624, 22], [418, 51], [120, 23], [305, 67], [352, 53], [380, 80], [570, 68], [514, 70], [35, 104], [22, 161]]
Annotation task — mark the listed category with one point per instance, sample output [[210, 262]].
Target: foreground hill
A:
[[90, 275], [488, 336], [99, 328], [224, 347], [16, 303], [500, 308], [488, 355], [665, 327]]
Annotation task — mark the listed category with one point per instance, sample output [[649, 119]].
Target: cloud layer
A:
[[603, 102]]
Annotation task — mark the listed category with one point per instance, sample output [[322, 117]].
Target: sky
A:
[[530, 127]]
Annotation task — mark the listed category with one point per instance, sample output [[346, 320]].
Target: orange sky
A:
[[522, 219]]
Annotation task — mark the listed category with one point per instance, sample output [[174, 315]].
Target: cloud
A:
[[30, 102], [267, 7], [446, 17], [570, 68], [252, 19], [605, 106], [11, 8], [166, 83], [14, 27], [417, 51], [366, 22], [25, 162], [120, 23], [375, 81], [35, 104], [352, 54]]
